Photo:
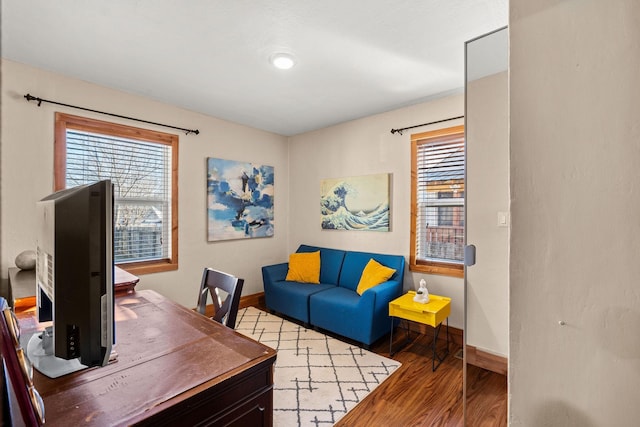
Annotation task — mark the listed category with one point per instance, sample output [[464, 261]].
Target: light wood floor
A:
[[416, 396]]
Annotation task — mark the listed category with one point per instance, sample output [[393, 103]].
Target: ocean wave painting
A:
[[355, 203], [239, 200]]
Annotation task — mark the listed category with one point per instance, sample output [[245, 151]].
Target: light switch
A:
[[503, 219]]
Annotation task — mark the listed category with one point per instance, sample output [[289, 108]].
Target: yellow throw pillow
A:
[[304, 267], [373, 274]]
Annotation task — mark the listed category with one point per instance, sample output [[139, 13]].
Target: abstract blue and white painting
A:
[[239, 200], [355, 203]]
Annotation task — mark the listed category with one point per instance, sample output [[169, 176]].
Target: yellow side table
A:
[[433, 313]]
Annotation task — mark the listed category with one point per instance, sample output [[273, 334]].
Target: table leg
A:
[[391, 338], [407, 340], [440, 358]]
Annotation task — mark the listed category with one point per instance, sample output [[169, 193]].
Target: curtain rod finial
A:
[[30, 97]]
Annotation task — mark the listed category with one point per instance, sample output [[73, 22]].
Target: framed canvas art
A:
[[239, 200], [355, 203]]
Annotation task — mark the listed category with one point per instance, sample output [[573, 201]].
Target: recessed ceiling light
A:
[[282, 61]]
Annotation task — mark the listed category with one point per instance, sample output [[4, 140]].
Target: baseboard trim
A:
[[254, 300], [475, 356], [489, 361], [456, 335]]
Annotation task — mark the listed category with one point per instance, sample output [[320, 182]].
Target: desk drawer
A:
[[242, 400], [433, 313]]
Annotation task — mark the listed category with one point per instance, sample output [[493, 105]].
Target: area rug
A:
[[317, 379]]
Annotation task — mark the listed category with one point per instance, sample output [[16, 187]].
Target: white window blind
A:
[[440, 199], [141, 175]]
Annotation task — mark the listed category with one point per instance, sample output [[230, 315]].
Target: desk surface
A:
[[21, 288], [167, 355], [21, 292]]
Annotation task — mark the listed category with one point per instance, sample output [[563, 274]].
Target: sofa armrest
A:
[[381, 295], [373, 309], [274, 273], [385, 291]]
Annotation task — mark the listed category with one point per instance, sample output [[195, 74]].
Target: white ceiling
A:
[[354, 57]]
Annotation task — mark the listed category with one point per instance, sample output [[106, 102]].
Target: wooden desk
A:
[[22, 286], [174, 367], [123, 281]]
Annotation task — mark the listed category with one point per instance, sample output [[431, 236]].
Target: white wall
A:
[[487, 191], [365, 147], [575, 203], [27, 174]]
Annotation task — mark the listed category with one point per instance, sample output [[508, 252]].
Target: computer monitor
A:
[[74, 279]]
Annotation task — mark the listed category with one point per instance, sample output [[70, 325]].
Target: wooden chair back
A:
[[24, 404], [225, 291]]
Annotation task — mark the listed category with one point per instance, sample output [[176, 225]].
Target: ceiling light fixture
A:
[[282, 61]]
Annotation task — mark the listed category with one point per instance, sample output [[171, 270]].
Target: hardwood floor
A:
[[486, 398], [416, 396], [413, 395]]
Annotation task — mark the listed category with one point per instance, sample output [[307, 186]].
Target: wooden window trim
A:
[[67, 121], [415, 264]]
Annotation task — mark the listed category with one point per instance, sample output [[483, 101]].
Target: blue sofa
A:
[[333, 304]]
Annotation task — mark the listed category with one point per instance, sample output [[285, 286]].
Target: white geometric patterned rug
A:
[[318, 379]]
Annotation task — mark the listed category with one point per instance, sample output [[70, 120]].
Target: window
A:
[[437, 202], [143, 166], [451, 215]]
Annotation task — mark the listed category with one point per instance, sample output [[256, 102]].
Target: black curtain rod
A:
[[424, 124], [29, 97]]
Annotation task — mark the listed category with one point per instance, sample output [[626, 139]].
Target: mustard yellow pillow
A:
[[304, 267], [373, 274]]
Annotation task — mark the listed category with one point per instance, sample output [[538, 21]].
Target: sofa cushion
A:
[[341, 311], [373, 274], [355, 262], [304, 267], [330, 262], [292, 298]]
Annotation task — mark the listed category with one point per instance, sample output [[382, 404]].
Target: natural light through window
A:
[[142, 167], [437, 201]]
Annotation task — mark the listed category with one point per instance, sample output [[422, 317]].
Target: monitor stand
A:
[[40, 354]]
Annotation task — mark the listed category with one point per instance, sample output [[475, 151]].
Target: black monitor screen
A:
[[74, 270]]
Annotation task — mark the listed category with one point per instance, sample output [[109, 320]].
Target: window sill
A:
[[453, 270], [147, 267]]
